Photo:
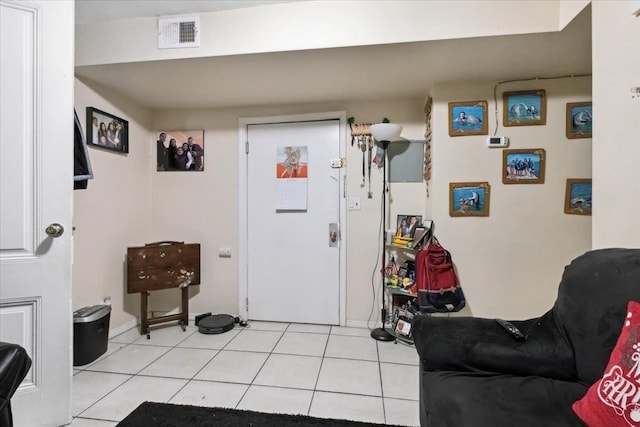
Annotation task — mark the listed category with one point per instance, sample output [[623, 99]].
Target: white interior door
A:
[[293, 266], [36, 184]]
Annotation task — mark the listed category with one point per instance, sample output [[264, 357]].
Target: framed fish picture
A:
[[577, 198], [524, 108], [468, 199], [579, 120], [468, 118]]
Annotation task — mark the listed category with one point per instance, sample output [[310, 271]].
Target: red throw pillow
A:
[[614, 400]]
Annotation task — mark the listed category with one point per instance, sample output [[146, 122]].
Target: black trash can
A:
[[90, 333]]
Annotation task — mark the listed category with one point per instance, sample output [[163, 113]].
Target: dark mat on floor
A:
[[170, 415]]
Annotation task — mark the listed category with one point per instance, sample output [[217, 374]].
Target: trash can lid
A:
[[90, 314]]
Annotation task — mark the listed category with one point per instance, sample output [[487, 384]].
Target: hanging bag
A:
[[438, 286]]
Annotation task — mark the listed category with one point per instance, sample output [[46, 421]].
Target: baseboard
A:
[[123, 328]]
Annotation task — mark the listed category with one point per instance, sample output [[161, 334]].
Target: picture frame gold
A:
[[469, 199], [579, 120], [577, 197], [468, 118], [524, 108], [524, 166]]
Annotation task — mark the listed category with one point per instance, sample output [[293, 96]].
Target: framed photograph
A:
[[420, 237], [407, 225], [579, 120], [180, 150], [468, 118], [524, 108], [469, 199], [577, 198], [107, 131], [523, 166]]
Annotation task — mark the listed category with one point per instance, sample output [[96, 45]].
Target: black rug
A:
[[170, 415]]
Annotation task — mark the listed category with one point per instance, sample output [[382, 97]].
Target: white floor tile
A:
[[85, 422], [307, 344], [392, 352], [352, 332], [348, 347], [170, 336], [350, 376], [305, 327], [284, 370], [119, 403], [258, 325], [233, 366], [276, 400], [210, 341], [128, 336], [129, 360], [347, 407], [400, 381], [402, 412], [89, 387], [179, 363], [250, 340], [209, 393]]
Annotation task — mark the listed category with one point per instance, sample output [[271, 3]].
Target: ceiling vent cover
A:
[[178, 32]]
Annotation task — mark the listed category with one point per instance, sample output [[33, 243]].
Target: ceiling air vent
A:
[[178, 32]]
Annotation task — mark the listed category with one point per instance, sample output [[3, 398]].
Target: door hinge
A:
[[246, 304], [246, 147], [338, 163]]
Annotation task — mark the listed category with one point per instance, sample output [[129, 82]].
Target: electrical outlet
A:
[[107, 300], [354, 203], [224, 252]]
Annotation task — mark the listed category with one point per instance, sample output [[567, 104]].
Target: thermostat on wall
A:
[[497, 141]]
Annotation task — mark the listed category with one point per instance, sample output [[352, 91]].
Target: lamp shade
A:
[[386, 131]]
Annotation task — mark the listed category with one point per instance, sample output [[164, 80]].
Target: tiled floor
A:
[[322, 371]]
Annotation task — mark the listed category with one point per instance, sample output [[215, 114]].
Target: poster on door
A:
[[291, 178]]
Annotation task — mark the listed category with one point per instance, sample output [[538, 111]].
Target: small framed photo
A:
[[420, 237], [524, 108], [469, 199], [107, 131], [577, 198], [524, 166], [579, 120], [180, 150], [468, 118], [407, 225], [402, 273]]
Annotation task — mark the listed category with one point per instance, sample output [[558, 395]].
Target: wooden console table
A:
[[163, 265]]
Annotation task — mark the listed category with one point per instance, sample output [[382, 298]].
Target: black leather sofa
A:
[[473, 373], [14, 365]]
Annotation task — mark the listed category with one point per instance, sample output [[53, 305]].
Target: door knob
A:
[[333, 235], [54, 230]]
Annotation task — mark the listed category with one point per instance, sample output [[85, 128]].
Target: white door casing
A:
[[288, 270], [36, 185]]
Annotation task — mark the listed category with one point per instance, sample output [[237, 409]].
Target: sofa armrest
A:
[[14, 365], [471, 344]]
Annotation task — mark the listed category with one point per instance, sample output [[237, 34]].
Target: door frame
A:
[[243, 217]]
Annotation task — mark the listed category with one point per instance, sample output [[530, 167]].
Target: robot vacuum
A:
[[215, 324]]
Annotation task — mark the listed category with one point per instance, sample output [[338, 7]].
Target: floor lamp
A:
[[384, 133]]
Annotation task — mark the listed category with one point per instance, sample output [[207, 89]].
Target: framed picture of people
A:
[[180, 150], [107, 131]]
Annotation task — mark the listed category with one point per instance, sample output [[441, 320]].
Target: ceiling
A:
[[393, 71]]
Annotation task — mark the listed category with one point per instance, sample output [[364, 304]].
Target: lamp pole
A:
[[381, 333]]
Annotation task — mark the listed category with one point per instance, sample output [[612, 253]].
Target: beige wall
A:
[[616, 130], [510, 263], [114, 211]]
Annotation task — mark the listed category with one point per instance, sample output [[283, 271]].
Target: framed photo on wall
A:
[[180, 150], [468, 118], [524, 166], [469, 199], [107, 131], [524, 108], [579, 120], [577, 198]]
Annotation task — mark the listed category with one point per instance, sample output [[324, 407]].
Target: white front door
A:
[[293, 260], [36, 185]]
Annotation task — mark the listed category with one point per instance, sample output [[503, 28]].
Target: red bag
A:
[[438, 286]]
